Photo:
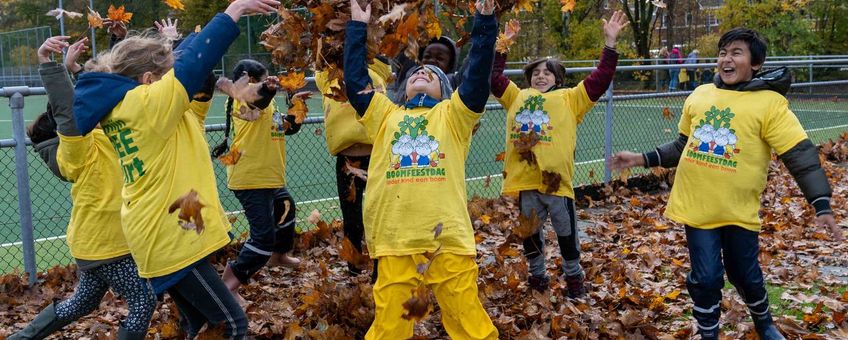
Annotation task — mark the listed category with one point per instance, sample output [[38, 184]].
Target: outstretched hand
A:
[[52, 45], [116, 28], [357, 13], [625, 160], [168, 29], [828, 221], [241, 7], [486, 7], [612, 28], [73, 54]]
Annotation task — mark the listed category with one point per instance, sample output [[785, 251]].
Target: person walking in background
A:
[[663, 74], [692, 58], [674, 73]]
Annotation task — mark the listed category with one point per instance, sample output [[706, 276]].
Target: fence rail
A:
[[34, 206]]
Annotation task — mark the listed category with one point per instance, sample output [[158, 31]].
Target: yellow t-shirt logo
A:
[[714, 141]]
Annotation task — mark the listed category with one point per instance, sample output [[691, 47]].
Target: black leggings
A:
[[270, 231], [354, 229], [202, 297], [122, 277]]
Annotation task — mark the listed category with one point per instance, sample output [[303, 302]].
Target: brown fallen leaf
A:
[[351, 255], [552, 181], [298, 109], [190, 211], [353, 169], [500, 156], [232, 157], [419, 305], [524, 147], [292, 81], [527, 225], [667, 114]]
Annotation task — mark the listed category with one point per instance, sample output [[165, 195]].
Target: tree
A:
[[830, 22], [784, 24], [642, 16]]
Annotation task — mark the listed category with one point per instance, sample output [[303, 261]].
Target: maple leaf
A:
[[551, 180], [94, 19], [232, 157], [351, 255], [432, 25], [353, 169], [58, 13], [418, 306], [397, 13], [298, 109], [409, 28], [567, 5], [190, 211], [119, 14], [242, 90], [175, 4], [293, 81], [524, 147], [667, 114], [507, 39]]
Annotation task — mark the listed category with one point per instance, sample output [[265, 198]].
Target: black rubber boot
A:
[[765, 327], [44, 324]]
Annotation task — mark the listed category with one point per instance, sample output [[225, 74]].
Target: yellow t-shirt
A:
[[416, 179], [164, 154], [340, 127], [94, 231], [554, 116], [263, 143], [723, 168]]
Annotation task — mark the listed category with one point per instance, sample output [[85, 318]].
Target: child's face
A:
[[424, 81], [437, 55], [734, 63], [542, 78]]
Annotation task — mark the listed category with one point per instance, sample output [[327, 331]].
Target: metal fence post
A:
[[608, 136], [810, 80], [16, 103]]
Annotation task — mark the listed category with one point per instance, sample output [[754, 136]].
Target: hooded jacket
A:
[[802, 160]]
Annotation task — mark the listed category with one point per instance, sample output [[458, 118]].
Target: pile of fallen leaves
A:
[[635, 261]]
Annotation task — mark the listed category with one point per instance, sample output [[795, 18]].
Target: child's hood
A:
[[95, 95], [778, 80]]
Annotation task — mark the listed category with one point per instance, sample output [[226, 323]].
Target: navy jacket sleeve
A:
[[666, 155], [356, 67], [203, 52], [475, 86]]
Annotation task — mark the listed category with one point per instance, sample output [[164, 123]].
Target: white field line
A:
[[237, 212]]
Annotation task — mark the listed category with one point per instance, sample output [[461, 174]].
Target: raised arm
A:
[[355, 51], [475, 87], [599, 80], [60, 90]]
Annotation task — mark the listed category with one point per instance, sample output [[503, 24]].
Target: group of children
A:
[[130, 138]]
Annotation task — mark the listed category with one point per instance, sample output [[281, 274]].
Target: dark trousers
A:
[[354, 229], [714, 251], [201, 297], [270, 231]]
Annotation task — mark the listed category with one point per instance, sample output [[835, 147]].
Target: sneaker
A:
[[576, 288], [539, 283]]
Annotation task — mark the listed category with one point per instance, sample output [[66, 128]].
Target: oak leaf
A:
[[551, 180], [524, 147], [190, 211]]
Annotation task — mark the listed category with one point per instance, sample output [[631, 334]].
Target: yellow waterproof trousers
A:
[[453, 279]]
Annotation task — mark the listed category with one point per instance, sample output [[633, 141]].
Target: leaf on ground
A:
[[418, 306], [351, 255], [551, 180], [190, 216], [232, 157]]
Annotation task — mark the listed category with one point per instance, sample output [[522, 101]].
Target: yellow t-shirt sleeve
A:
[[167, 101], [200, 109], [382, 70], [509, 95], [321, 81], [781, 129], [578, 101], [72, 155], [460, 118], [376, 114], [684, 126]]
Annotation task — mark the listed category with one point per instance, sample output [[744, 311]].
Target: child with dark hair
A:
[[728, 130], [550, 112], [95, 235], [258, 178], [416, 183], [440, 52], [145, 106]]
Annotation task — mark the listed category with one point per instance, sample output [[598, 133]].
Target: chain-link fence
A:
[[632, 122], [18, 65]]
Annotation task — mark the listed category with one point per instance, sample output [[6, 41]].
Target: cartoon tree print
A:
[[718, 118], [411, 127]]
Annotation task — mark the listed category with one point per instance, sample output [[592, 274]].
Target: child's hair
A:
[[99, 64], [755, 42], [43, 127], [552, 64], [246, 67], [134, 56]]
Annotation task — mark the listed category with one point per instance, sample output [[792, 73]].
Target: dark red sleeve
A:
[[599, 80], [499, 81]]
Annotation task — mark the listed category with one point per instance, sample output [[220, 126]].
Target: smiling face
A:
[[542, 78], [734, 63], [424, 81]]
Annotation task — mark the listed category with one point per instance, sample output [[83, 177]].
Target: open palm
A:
[[612, 28]]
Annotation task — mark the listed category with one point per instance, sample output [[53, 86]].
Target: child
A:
[[348, 141], [95, 237], [440, 52], [410, 192], [727, 132], [146, 110], [552, 112], [258, 179]]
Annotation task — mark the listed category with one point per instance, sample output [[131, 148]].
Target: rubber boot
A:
[[765, 327], [44, 324], [124, 334]]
